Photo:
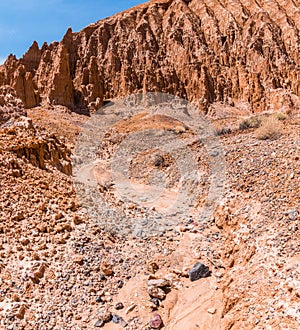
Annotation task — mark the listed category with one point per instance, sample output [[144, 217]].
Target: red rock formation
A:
[[204, 50], [11, 106], [40, 148]]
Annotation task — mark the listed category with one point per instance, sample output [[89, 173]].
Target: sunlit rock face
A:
[[204, 50]]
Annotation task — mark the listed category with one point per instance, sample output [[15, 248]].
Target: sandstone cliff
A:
[[236, 52], [11, 107]]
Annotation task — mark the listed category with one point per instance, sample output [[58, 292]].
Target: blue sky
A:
[[23, 21]]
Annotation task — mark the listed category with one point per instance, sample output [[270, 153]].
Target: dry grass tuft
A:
[[270, 129], [251, 122], [280, 116]]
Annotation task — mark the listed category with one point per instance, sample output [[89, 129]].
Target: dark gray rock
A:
[[199, 271], [119, 320], [99, 324]]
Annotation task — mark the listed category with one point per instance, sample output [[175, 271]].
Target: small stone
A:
[[37, 273], [182, 229], [160, 283], [104, 318], [156, 292], [78, 260], [119, 320], [107, 317], [151, 306], [119, 306], [158, 160], [214, 153], [211, 311], [35, 256], [155, 301], [199, 271], [58, 216], [120, 284], [21, 312], [185, 272], [16, 298], [59, 228], [177, 271], [85, 319], [156, 322], [106, 268], [77, 219], [99, 324], [19, 248], [42, 227], [293, 214], [116, 319], [24, 241], [19, 216], [152, 267]]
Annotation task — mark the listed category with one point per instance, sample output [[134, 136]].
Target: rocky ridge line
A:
[[243, 53]]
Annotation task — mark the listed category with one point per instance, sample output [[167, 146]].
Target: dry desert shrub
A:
[[251, 122], [270, 128], [280, 116], [222, 128]]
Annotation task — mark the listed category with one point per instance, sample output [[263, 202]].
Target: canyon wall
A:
[[229, 51]]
